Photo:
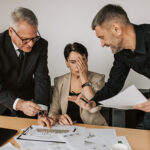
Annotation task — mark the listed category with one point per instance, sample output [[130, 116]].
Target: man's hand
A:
[[65, 120], [45, 121], [82, 102], [143, 106], [29, 108]]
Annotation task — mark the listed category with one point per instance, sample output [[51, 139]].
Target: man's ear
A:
[[116, 29], [67, 64], [10, 30]]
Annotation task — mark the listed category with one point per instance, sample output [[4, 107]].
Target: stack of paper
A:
[[68, 138]]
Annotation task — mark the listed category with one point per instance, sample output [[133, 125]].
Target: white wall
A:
[[65, 21]]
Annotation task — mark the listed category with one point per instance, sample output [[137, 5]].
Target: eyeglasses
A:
[[27, 40]]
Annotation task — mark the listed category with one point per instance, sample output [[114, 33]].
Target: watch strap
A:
[[85, 84]]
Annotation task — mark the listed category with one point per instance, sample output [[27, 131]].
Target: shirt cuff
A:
[[92, 99], [43, 107], [95, 109], [15, 103]]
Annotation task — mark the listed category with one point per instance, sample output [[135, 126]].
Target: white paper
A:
[[124, 141], [36, 145], [91, 139], [45, 138], [45, 134], [100, 139], [8, 146], [125, 100], [77, 138]]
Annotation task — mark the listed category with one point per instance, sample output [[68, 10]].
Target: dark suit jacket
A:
[[31, 82]]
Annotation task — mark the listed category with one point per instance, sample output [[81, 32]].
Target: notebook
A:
[[6, 134]]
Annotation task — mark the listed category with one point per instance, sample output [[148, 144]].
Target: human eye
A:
[[73, 62], [101, 37], [84, 59], [26, 40]]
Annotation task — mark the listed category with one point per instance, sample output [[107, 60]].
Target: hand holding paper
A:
[[143, 106], [126, 99]]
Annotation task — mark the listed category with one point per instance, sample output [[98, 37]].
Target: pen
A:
[[24, 132], [81, 97], [41, 140], [84, 100], [74, 130]]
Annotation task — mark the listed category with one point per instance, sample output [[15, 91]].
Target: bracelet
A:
[[86, 84]]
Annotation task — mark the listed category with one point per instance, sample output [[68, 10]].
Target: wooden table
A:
[[138, 139]]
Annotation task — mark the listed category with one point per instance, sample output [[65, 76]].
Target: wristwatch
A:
[[86, 84], [43, 113]]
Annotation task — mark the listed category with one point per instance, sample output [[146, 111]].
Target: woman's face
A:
[[72, 62]]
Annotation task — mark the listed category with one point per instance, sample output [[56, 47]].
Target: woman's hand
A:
[[65, 120], [45, 121], [82, 102], [83, 69]]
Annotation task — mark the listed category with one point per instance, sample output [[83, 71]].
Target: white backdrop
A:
[[65, 21]]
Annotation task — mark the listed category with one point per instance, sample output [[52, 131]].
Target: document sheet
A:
[[8, 146], [125, 100], [68, 138]]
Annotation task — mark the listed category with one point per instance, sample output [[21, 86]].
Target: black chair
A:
[[107, 114], [134, 118]]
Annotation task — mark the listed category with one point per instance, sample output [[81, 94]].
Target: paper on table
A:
[[9, 146], [41, 138], [124, 141], [75, 140], [125, 100], [88, 139], [37, 145], [79, 138], [43, 134], [100, 139]]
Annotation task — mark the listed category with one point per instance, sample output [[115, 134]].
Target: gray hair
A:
[[109, 13], [23, 14]]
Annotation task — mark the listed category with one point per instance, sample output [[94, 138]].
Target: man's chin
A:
[[115, 51], [27, 50], [77, 74]]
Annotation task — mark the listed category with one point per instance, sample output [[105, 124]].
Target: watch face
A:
[[43, 113]]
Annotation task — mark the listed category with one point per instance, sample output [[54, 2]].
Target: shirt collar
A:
[[140, 42], [15, 47]]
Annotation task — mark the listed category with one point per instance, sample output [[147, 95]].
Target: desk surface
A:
[[138, 139]]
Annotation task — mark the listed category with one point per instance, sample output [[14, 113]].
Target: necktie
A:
[[21, 57]]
